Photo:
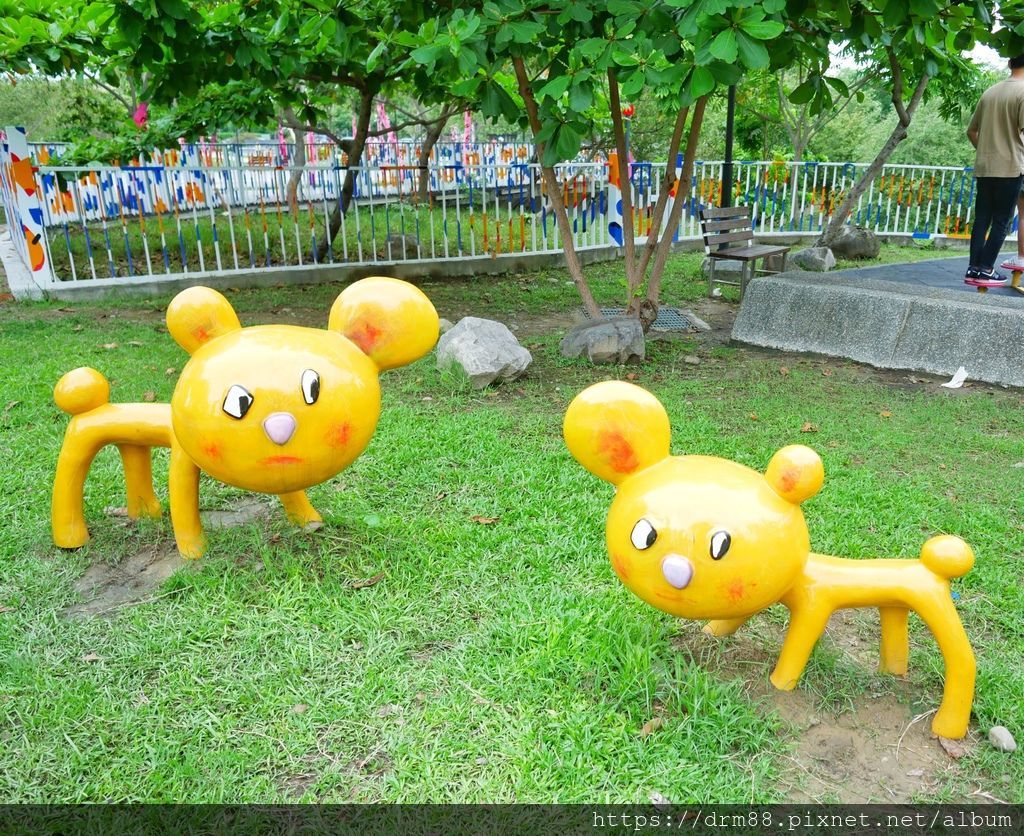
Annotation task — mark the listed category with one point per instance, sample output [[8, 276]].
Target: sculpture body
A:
[[272, 408], [705, 538]]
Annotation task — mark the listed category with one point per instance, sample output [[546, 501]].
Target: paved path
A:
[[945, 273]]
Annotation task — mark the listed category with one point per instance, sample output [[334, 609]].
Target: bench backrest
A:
[[726, 227]]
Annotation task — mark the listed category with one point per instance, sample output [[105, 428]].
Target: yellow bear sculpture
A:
[[270, 408], [705, 538]]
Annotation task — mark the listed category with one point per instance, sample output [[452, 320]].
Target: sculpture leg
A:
[[138, 478], [183, 493], [805, 628], [67, 512], [725, 626], [895, 642], [954, 714], [299, 510]]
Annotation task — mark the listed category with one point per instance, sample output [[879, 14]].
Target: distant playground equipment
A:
[[274, 409], [706, 538]]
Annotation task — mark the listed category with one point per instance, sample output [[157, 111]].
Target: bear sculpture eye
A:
[[720, 542], [237, 401], [643, 535], [310, 386]]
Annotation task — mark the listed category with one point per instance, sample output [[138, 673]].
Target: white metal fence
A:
[[168, 221]]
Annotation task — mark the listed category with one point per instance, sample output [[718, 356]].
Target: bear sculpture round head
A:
[[696, 536], [280, 408]]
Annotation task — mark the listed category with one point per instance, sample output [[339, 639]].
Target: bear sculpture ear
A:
[[615, 429], [796, 473], [198, 315], [391, 321]]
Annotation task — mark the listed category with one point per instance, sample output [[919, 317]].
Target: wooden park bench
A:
[[728, 233]]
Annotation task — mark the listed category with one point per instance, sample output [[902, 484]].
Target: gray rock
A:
[[1001, 739], [722, 265], [398, 246], [486, 350], [856, 242], [446, 325], [695, 320], [816, 259], [615, 340], [691, 360]]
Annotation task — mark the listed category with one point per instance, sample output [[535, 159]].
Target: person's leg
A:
[[1005, 191], [982, 219], [1020, 215], [1017, 263]]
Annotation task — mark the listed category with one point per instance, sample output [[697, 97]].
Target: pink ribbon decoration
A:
[[282, 146], [141, 114]]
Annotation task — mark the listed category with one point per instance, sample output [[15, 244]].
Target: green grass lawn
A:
[[491, 662]]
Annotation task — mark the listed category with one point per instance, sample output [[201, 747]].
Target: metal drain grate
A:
[[669, 319]]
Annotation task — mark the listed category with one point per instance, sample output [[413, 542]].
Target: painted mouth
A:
[[281, 460]]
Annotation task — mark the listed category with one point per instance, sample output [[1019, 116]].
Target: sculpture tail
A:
[[81, 390], [947, 556]]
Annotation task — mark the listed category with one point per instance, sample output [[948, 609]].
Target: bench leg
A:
[[744, 276], [711, 279]]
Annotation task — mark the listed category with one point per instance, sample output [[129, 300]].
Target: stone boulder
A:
[[619, 339], [398, 247], [856, 242], [816, 259], [486, 350], [723, 266]]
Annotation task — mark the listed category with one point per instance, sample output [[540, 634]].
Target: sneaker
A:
[[986, 278], [972, 273], [1015, 263]]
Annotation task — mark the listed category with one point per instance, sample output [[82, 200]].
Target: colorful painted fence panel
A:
[[184, 215], [19, 187]]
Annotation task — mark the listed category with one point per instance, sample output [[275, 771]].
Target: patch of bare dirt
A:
[[106, 588], [368, 768], [871, 748], [243, 511]]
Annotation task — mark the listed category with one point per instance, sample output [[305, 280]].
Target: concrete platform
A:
[[918, 316]]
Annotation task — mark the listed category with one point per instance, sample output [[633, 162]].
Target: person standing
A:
[[995, 132]]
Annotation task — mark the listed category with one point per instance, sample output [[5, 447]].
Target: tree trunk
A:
[[434, 131], [298, 162], [899, 133], [666, 186], [355, 156], [682, 197], [572, 261]]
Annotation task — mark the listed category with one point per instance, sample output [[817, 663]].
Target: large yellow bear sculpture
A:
[[270, 408], [706, 538]]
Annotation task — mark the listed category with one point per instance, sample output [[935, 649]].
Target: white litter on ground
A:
[[957, 380]]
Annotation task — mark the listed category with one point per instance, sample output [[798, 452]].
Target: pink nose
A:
[[677, 571], [279, 427]]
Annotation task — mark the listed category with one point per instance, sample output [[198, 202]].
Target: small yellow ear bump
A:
[[796, 473], [615, 429], [198, 315], [392, 322]]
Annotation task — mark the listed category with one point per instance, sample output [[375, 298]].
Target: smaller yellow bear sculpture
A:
[[706, 538], [270, 408]]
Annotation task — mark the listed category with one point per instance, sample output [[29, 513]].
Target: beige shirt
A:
[[999, 120]]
